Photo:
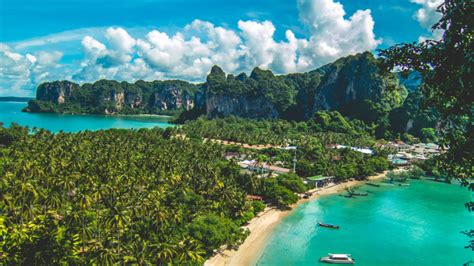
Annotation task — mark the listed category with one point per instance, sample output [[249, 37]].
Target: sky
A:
[[88, 40]]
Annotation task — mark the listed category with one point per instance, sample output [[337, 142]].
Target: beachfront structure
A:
[[358, 149], [254, 198], [319, 180], [399, 146], [253, 166], [411, 153]]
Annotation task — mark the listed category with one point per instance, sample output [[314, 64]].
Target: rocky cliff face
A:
[[173, 98], [353, 80], [348, 80], [348, 85], [112, 97], [56, 92], [341, 85], [250, 107]]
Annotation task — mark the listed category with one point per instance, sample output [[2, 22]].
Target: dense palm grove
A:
[[117, 196]]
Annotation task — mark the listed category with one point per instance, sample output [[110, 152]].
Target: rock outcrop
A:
[[56, 92], [347, 83], [250, 107], [112, 97], [351, 85], [173, 98]]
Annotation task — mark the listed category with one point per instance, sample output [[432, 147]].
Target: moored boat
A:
[[359, 194], [372, 184], [328, 225], [338, 259]]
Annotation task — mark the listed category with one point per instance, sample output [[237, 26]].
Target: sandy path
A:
[[262, 226]]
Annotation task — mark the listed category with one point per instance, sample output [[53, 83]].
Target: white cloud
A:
[[93, 47], [20, 74], [332, 35], [120, 40], [427, 16], [114, 53]]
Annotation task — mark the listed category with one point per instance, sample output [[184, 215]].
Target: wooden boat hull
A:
[[372, 184], [329, 226]]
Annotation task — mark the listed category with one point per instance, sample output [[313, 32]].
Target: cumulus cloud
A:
[[190, 53], [19, 74], [332, 35], [427, 16], [120, 40]]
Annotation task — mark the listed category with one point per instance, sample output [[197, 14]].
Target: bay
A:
[[10, 112], [419, 224]]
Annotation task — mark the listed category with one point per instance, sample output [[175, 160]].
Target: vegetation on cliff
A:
[[350, 84], [108, 96]]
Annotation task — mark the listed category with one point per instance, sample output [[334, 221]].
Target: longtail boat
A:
[[328, 225]]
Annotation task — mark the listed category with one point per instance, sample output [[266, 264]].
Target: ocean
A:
[[10, 112]]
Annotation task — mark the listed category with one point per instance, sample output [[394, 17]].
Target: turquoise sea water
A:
[[11, 112], [415, 225]]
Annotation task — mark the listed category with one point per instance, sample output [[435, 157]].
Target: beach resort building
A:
[[358, 149], [253, 166], [319, 180], [405, 154]]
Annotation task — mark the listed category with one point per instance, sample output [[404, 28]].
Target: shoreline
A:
[[261, 227], [164, 117]]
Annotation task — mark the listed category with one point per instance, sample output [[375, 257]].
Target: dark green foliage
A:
[[115, 196], [260, 83], [446, 68], [257, 206], [412, 116], [43, 241], [429, 135], [278, 194], [275, 132], [292, 182], [12, 133], [213, 230]]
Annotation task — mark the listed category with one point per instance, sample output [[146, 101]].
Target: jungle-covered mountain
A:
[[352, 85]]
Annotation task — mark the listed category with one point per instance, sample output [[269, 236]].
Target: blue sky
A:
[[86, 40]]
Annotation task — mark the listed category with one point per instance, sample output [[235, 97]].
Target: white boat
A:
[[338, 259]]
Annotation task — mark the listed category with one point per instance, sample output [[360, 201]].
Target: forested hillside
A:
[[123, 197]]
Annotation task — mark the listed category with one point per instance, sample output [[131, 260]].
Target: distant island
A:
[[15, 99]]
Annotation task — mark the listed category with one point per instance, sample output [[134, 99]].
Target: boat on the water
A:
[[372, 184], [359, 194], [338, 259], [328, 225]]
